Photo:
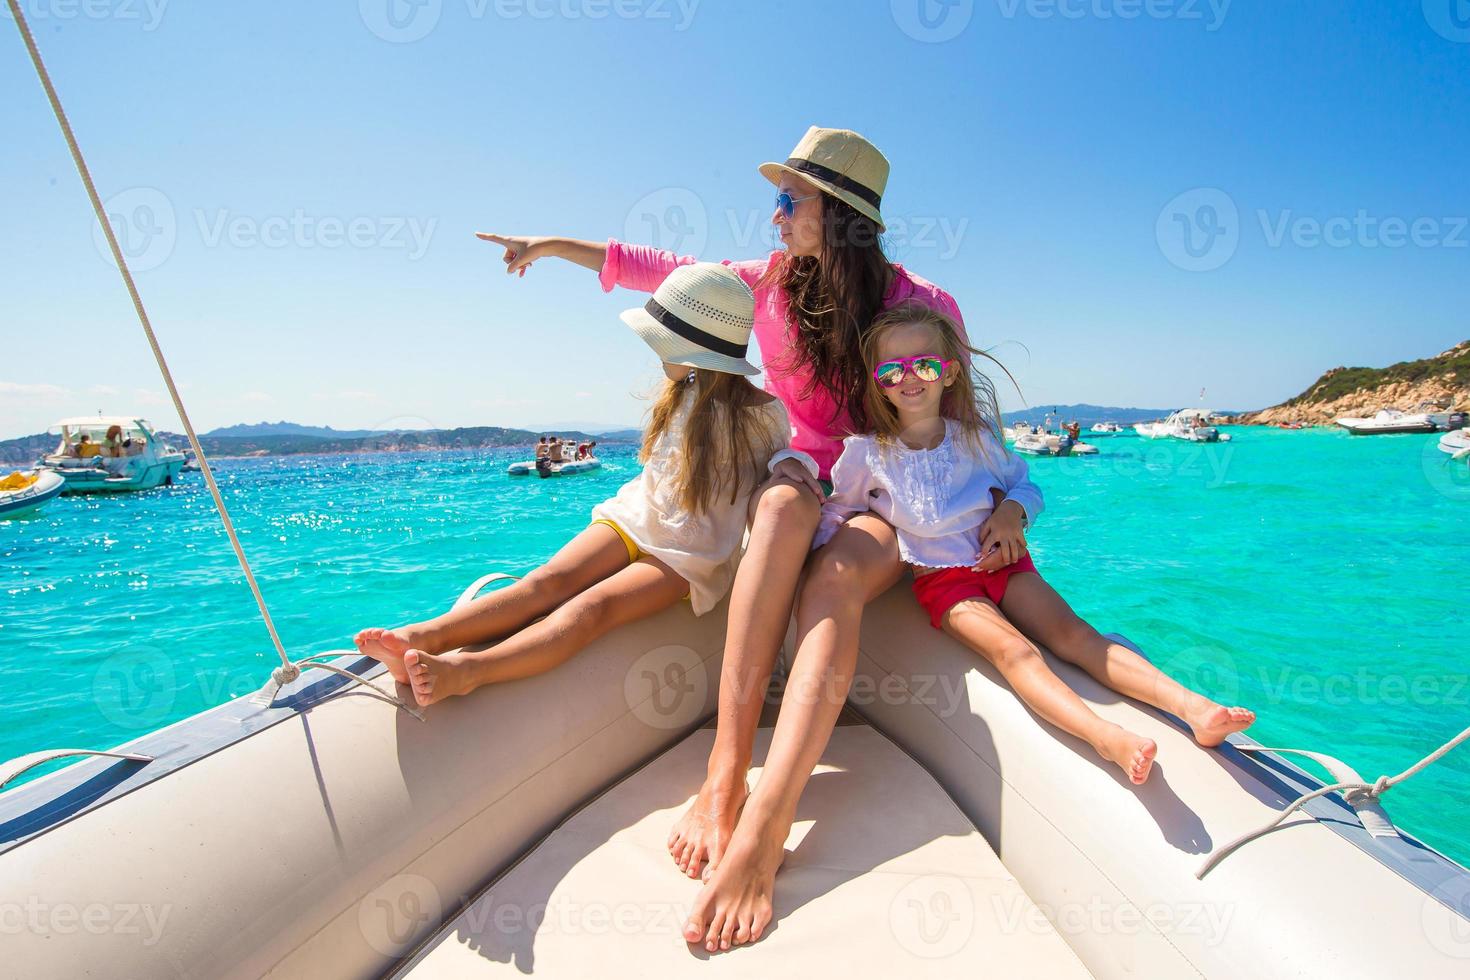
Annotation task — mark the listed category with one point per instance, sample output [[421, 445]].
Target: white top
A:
[[936, 499], [704, 549]]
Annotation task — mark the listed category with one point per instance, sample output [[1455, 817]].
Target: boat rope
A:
[[1362, 796], [288, 671]]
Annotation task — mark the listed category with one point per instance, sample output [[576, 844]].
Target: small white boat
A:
[[1391, 421], [143, 460], [1455, 442], [23, 492], [1105, 429], [527, 467], [1084, 449], [1036, 441], [1189, 424]]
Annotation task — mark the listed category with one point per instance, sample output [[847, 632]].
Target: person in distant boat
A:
[[542, 448], [554, 453], [113, 443], [673, 532], [86, 448], [584, 449], [936, 468]]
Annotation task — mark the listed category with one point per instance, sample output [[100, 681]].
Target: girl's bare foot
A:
[[1134, 754], [435, 678], [1212, 722], [734, 906], [387, 647], [699, 838]]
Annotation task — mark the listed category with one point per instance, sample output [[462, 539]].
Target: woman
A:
[[814, 301]]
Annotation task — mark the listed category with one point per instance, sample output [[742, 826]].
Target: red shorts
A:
[[939, 592]]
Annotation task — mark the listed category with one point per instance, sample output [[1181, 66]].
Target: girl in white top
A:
[[671, 533], [938, 471]]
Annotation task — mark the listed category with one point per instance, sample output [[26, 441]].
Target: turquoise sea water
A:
[[1316, 577]]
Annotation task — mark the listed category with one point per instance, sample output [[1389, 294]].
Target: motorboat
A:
[[1189, 424], [1014, 432], [520, 830], [1426, 417], [137, 459], [1388, 421], [1037, 441], [1084, 449], [569, 468], [1105, 429], [23, 492], [1455, 442]]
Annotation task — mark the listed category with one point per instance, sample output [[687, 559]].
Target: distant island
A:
[[1442, 380], [291, 439]]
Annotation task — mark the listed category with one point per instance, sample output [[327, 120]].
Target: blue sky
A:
[[1130, 199]]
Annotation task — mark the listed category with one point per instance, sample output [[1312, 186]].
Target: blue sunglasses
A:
[[787, 204]]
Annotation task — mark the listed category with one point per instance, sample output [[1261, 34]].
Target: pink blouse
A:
[[817, 425]]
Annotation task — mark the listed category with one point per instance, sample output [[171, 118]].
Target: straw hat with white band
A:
[[700, 316], [841, 163]]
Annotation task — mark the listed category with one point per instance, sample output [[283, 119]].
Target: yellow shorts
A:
[[634, 552]]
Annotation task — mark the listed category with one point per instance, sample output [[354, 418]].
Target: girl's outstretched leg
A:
[[590, 557], [783, 519], [641, 589], [1042, 614], [982, 627], [858, 564]]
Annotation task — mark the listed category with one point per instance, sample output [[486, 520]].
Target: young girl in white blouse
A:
[[672, 533], [937, 469]]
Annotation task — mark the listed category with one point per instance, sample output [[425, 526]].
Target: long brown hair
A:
[[971, 401], [726, 443], [831, 299]]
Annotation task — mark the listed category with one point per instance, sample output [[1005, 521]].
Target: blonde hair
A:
[[970, 401], [726, 441]]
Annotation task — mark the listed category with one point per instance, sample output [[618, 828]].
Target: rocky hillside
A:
[[1357, 391]]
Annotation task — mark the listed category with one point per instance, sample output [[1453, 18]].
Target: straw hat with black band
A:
[[843, 164], [700, 316]]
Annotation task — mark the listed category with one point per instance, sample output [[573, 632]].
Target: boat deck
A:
[[883, 876]]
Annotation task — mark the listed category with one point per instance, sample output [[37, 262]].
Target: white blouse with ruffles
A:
[[936, 499], [703, 548]]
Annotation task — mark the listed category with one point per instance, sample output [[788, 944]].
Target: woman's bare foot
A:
[[734, 906], [1212, 722], [1134, 754], [387, 647], [699, 838], [435, 678]]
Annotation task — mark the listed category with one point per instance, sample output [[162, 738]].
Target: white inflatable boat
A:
[[520, 831], [30, 490], [569, 468]]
